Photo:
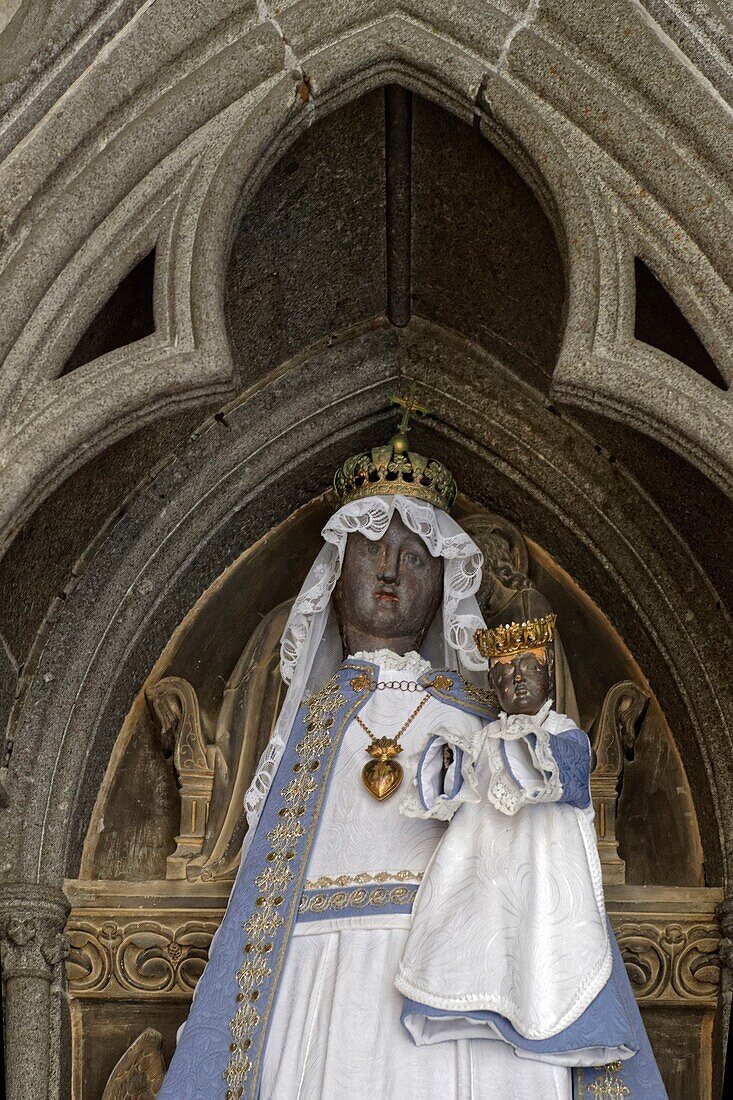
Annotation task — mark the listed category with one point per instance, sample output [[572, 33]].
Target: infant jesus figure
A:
[[509, 939]]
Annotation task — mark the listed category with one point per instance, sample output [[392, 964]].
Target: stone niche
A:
[[338, 288], [161, 848]]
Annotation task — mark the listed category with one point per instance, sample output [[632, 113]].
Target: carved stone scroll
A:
[[157, 950], [613, 738], [120, 959], [671, 963], [174, 703], [140, 1071]]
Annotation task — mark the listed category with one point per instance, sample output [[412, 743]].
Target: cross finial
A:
[[409, 405]]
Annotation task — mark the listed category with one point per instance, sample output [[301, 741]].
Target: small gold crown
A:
[[505, 641], [394, 469]]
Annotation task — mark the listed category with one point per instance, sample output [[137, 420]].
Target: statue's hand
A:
[[447, 756]]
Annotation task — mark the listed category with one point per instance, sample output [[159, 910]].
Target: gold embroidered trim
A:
[[481, 695], [608, 1085], [362, 878], [442, 686], [265, 919], [357, 898]]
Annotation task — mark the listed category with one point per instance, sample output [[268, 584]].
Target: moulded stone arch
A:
[[275, 450], [234, 95], [480, 63], [159, 557], [188, 356]]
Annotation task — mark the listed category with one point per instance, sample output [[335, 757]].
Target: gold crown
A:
[[394, 469], [505, 641]]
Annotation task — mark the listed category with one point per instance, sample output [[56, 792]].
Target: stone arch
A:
[[522, 80], [188, 356], [492, 80], [235, 480], [659, 602]]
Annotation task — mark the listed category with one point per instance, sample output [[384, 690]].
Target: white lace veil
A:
[[310, 648]]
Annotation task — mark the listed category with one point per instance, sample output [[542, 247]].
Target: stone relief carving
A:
[[30, 950], [32, 944], [668, 961], [213, 775], [120, 958], [613, 736]]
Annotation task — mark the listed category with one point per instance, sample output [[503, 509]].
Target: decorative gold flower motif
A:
[[360, 682], [272, 882], [298, 789], [275, 877], [247, 1018], [263, 923], [284, 834], [608, 1085], [254, 973]]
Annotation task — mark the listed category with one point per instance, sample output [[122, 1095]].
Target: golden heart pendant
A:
[[382, 778]]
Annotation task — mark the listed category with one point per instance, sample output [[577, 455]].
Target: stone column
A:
[[32, 949], [725, 950]]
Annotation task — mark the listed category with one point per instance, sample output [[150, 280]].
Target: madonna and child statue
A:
[[418, 910]]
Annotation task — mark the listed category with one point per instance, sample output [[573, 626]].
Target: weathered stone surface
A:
[[32, 951], [485, 259], [165, 130], [700, 513], [40, 563], [309, 255], [8, 685]]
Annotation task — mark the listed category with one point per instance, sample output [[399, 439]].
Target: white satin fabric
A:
[[358, 834], [510, 915], [336, 1031]]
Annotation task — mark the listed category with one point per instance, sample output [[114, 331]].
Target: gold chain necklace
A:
[[383, 775]]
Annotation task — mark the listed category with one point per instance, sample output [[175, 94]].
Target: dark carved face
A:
[[389, 590], [521, 683]]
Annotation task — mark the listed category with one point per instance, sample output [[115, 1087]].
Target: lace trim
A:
[[371, 517], [443, 809], [393, 662], [503, 792]]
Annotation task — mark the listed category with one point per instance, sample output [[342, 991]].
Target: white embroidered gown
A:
[[336, 1031]]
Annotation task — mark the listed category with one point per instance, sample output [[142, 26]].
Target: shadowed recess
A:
[[126, 316], [661, 323], [393, 206]]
